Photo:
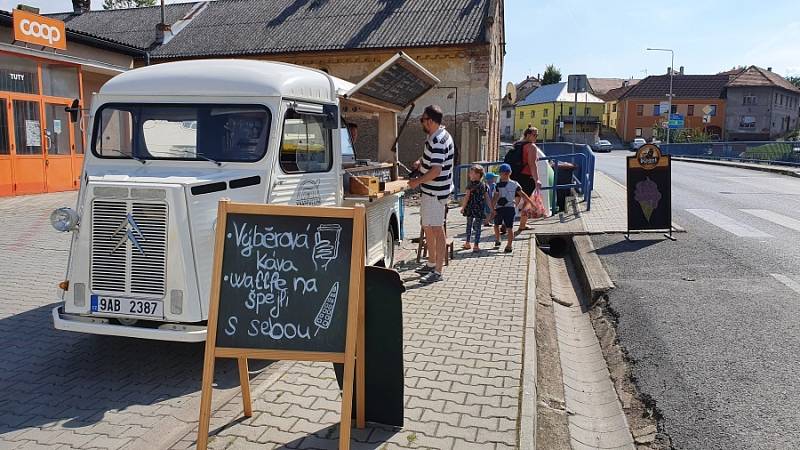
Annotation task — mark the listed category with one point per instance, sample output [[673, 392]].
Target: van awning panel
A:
[[395, 85]]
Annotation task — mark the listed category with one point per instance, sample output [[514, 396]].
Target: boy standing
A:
[[504, 204]]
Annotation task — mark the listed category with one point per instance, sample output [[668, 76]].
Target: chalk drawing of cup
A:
[[326, 245]]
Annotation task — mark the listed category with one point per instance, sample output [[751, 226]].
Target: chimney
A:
[[81, 6], [769, 69], [681, 71], [162, 28]]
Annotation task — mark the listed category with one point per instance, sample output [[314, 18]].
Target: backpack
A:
[[514, 157]]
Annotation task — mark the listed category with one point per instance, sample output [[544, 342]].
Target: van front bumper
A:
[[100, 325]]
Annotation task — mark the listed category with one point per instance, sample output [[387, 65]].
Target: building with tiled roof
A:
[[761, 105], [550, 109], [600, 86], [700, 99], [460, 41]]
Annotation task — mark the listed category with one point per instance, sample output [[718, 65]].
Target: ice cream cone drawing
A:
[[646, 193], [325, 314]]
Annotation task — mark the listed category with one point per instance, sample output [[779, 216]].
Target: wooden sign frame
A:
[[354, 340]]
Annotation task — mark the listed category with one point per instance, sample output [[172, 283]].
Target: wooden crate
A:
[[365, 185]]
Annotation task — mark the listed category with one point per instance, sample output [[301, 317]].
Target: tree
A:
[[552, 75], [122, 4], [795, 80]]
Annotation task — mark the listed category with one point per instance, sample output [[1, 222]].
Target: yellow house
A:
[[549, 109]]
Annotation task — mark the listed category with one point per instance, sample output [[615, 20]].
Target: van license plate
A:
[[126, 307]]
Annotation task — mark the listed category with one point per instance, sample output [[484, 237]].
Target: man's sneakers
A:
[[425, 269], [431, 277]]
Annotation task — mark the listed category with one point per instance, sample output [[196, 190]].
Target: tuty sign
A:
[[39, 30]]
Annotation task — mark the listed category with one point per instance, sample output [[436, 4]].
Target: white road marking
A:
[[774, 217], [728, 224], [790, 283]]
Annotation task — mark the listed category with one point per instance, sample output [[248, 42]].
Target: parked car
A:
[[638, 142], [602, 146]]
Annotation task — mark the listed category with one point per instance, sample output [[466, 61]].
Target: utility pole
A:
[[671, 71]]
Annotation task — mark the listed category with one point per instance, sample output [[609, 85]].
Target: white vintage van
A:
[[169, 141]]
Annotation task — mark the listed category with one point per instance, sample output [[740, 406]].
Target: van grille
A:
[[129, 247]]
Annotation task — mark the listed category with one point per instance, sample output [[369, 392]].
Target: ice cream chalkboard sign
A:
[[649, 190], [287, 285]]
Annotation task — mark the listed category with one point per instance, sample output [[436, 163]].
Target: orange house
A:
[[698, 98]]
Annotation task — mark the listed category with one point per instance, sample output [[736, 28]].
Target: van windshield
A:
[[231, 133]]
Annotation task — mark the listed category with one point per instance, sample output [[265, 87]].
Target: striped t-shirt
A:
[[439, 151]]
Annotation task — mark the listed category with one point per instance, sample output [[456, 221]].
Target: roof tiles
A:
[[683, 86]]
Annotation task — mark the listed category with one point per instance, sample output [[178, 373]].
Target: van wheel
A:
[[388, 250]]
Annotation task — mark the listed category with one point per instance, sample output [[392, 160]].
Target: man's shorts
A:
[[432, 211], [505, 216]]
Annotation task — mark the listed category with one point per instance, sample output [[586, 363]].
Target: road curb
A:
[[593, 276], [760, 167], [527, 418]]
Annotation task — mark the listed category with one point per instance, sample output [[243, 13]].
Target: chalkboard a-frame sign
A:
[[287, 284]]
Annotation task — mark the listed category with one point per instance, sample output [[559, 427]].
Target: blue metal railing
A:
[[764, 152], [582, 176]]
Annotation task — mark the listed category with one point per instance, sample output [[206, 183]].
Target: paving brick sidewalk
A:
[[463, 354]]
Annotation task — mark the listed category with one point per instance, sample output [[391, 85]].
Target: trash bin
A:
[[565, 170]]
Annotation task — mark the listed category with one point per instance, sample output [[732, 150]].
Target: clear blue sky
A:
[[607, 38]]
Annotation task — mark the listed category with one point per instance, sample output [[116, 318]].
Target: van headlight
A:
[[64, 219]]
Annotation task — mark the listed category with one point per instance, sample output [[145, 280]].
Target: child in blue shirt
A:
[[491, 186], [504, 204]]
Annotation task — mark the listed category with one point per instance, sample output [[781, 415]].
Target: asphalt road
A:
[[712, 321]]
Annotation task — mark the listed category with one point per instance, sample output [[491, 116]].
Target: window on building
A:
[[508, 114], [656, 110], [546, 112], [587, 111], [60, 81], [749, 100], [614, 107], [544, 122], [747, 122], [533, 113], [674, 109], [508, 130], [776, 98], [690, 110], [781, 101], [522, 114], [713, 110], [637, 132], [639, 110], [570, 111], [18, 75]]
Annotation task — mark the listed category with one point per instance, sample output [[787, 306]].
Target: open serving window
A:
[[388, 90]]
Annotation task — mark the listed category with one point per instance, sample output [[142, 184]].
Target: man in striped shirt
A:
[[436, 184]]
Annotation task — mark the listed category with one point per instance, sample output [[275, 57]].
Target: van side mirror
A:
[[74, 110], [331, 113]]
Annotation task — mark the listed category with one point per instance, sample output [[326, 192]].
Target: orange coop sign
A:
[[39, 30]]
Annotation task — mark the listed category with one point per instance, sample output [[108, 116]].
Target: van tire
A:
[[388, 250]]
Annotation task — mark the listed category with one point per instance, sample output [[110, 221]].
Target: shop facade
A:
[[41, 148]]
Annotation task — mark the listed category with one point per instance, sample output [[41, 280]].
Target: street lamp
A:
[[671, 70]]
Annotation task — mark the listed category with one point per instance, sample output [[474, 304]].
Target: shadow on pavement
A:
[[371, 437], [48, 376], [626, 246]]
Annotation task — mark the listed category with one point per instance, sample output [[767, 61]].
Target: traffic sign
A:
[[577, 83], [663, 107], [707, 109], [675, 121]]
